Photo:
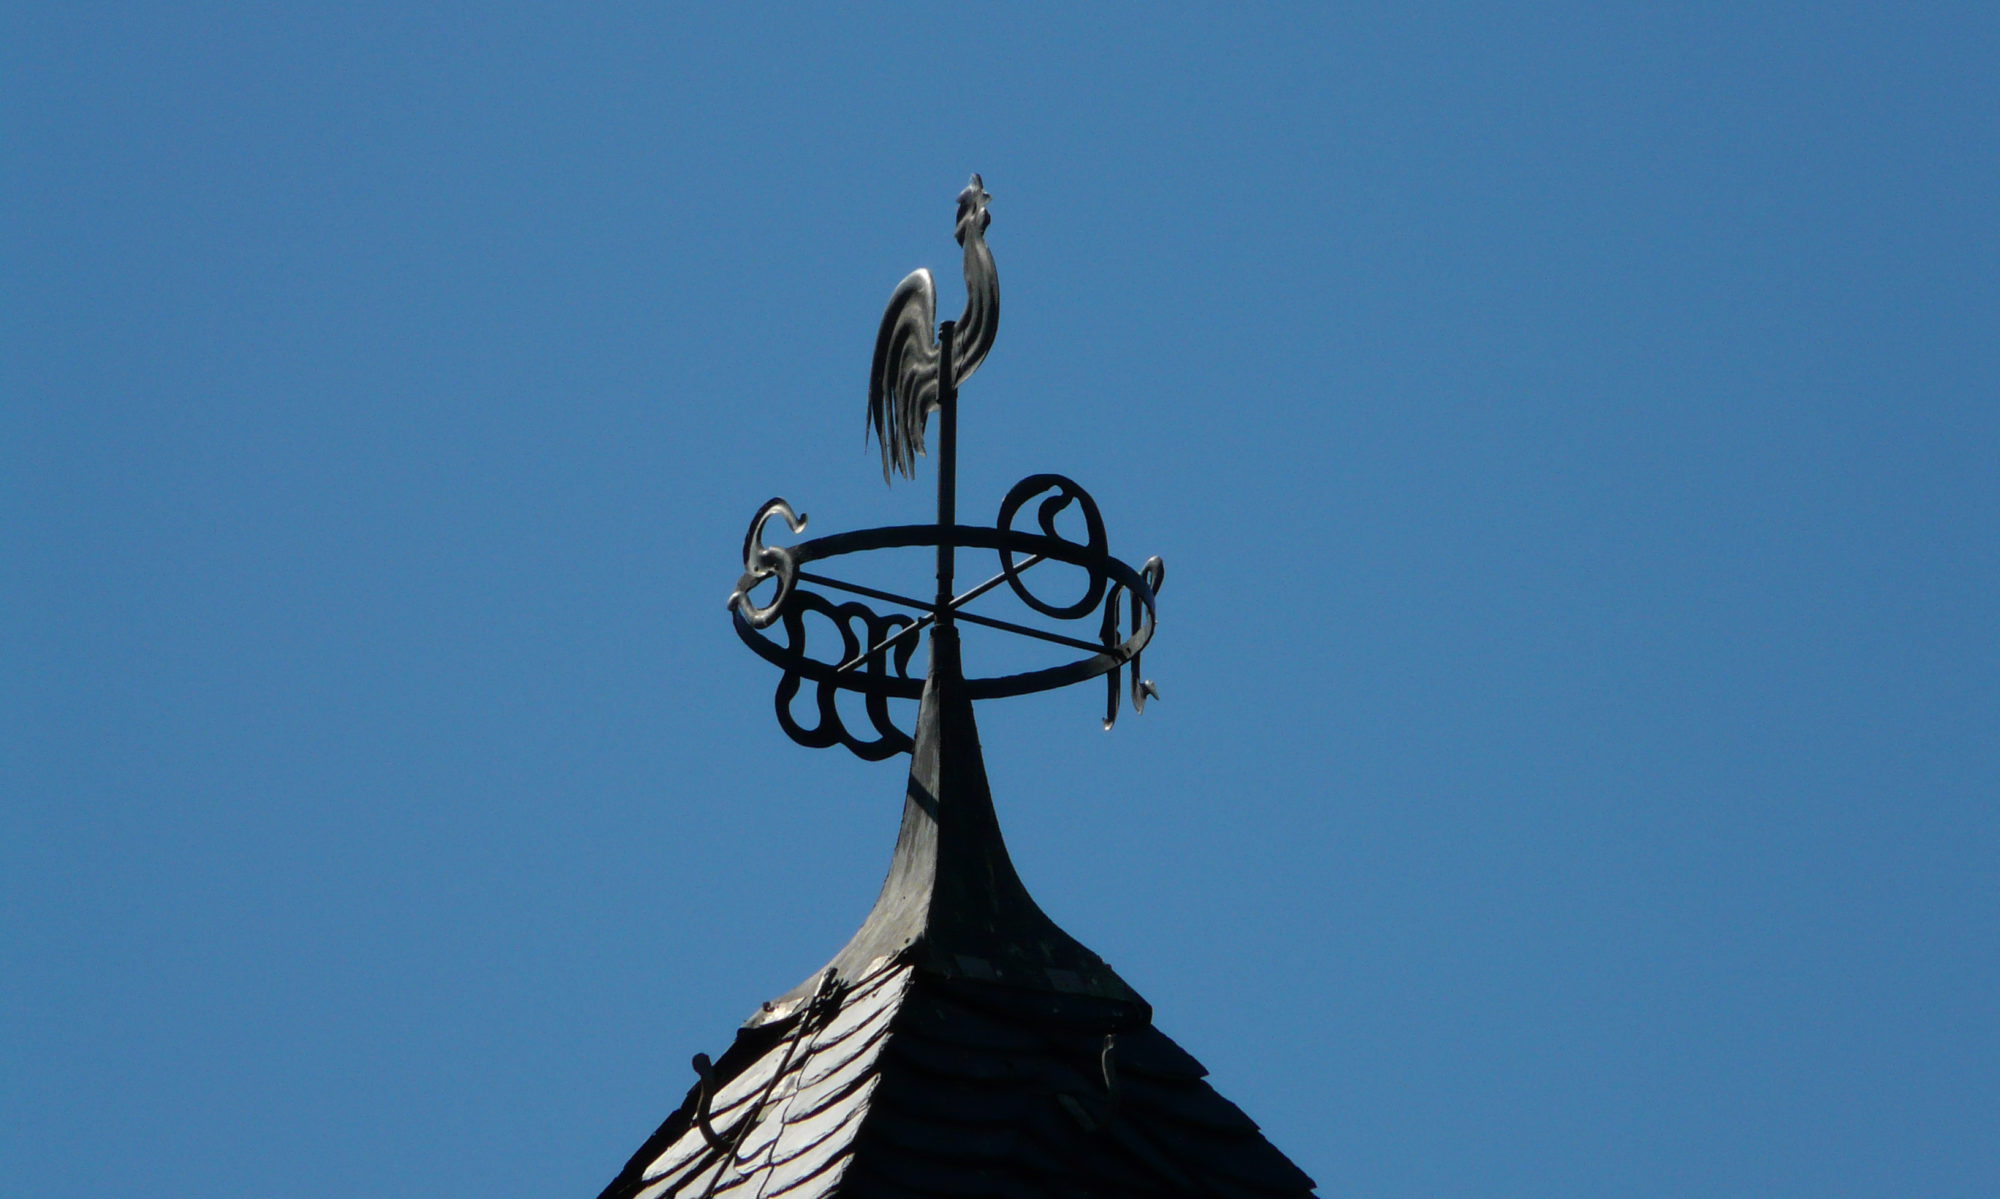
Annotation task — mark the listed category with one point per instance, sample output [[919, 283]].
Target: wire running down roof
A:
[[960, 1045]]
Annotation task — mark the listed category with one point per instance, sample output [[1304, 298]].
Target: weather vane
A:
[[917, 371]]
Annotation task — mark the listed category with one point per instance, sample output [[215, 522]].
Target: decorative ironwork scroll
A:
[[1066, 491], [830, 730], [1154, 572], [762, 562], [913, 375]]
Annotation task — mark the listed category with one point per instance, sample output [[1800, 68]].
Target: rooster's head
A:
[[972, 215]]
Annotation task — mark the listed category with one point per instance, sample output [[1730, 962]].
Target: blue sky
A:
[[1570, 429]]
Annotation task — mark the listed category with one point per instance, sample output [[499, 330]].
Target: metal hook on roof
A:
[[705, 1068], [1109, 1064]]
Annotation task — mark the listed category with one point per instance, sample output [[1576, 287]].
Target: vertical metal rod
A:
[[947, 472]]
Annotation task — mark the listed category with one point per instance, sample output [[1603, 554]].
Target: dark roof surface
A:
[[960, 1045]]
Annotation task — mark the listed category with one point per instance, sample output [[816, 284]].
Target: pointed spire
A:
[[953, 902]]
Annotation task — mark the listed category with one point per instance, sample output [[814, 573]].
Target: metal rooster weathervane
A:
[[914, 374]]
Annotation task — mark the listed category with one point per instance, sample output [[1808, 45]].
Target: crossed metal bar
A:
[[955, 605]]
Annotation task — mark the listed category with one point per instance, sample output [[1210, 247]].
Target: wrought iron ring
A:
[[1100, 564]]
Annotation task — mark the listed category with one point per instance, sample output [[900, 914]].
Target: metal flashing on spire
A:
[[952, 903]]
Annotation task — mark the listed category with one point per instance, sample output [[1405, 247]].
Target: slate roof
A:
[[960, 1045]]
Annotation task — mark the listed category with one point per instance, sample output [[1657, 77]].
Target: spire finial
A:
[[913, 375]]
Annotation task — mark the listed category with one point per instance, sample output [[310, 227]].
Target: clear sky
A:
[[1571, 431]]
